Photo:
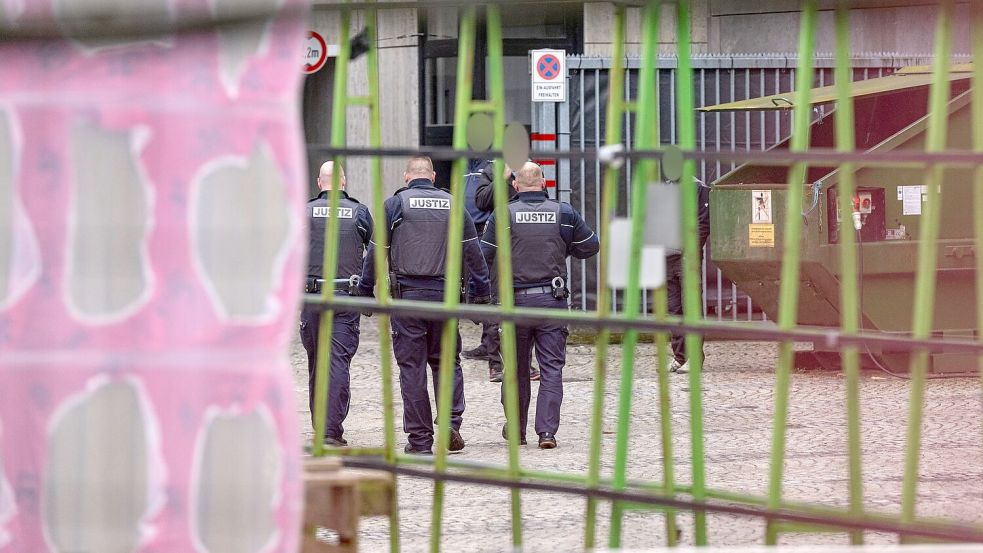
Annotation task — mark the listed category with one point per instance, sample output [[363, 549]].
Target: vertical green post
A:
[[789, 289], [692, 311], [648, 170], [452, 274], [924, 303], [503, 261], [660, 303], [612, 135], [381, 240], [849, 285], [339, 112], [976, 24], [645, 173]]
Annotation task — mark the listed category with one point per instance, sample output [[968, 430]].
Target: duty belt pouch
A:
[[394, 289]]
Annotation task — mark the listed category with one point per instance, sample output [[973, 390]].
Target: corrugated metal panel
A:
[[827, 94], [717, 81]]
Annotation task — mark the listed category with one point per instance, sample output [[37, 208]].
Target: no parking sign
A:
[[549, 75]]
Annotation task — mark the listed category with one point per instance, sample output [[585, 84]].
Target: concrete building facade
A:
[[418, 50]]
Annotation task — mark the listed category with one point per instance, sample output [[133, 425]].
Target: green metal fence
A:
[[669, 495]]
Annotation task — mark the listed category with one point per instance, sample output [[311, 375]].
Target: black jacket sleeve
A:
[[474, 260], [393, 215], [489, 245], [703, 213], [484, 195], [582, 242], [364, 223]]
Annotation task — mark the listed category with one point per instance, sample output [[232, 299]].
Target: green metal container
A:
[[748, 210]]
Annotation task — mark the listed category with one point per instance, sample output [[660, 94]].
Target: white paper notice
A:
[[911, 200]]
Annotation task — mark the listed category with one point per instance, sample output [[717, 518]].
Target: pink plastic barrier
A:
[[150, 270]]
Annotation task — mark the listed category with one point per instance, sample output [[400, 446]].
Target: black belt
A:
[[534, 290], [315, 284]]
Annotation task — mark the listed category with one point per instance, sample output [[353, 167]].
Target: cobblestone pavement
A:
[[738, 405]]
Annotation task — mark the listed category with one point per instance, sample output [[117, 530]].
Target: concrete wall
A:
[[399, 95], [905, 27], [599, 29]]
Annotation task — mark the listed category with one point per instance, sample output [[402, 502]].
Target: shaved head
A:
[[325, 177], [419, 168], [529, 178]]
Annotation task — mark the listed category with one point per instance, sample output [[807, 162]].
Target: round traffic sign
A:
[[316, 52], [548, 67]]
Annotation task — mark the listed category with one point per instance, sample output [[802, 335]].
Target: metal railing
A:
[[669, 494]]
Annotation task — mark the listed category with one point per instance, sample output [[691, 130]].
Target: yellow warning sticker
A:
[[761, 236]]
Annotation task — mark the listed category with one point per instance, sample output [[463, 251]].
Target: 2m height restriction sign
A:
[[549, 75]]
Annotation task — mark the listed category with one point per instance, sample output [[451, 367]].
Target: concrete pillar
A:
[[399, 95]]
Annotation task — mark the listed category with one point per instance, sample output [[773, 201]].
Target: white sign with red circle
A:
[[549, 75], [315, 52]]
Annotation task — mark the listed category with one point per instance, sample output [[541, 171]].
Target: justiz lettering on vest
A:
[[430, 203], [535, 217], [343, 212]]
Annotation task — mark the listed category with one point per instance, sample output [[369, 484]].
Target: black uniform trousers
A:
[[344, 344], [674, 291], [490, 340], [551, 352], [416, 343], [489, 331]]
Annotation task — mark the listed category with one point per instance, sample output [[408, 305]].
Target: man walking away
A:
[[543, 233], [490, 340], [355, 225], [417, 218]]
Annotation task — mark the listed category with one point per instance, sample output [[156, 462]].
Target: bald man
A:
[[543, 232], [417, 217], [483, 202], [356, 231]]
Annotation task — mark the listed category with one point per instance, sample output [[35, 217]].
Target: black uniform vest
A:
[[350, 246], [419, 243], [538, 251]]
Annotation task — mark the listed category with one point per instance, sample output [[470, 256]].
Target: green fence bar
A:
[[329, 267], [615, 112], [666, 497], [452, 292], [380, 237], [341, 102], [789, 290], [648, 117], [924, 303], [976, 25], [503, 259], [849, 282], [644, 174], [692, 311]]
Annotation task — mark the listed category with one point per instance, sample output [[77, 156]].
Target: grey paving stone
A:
[[738, 402]]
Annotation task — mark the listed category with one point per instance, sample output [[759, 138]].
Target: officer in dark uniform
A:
[[544, 232], [479, 172], [356, 231], [483, 201], [417, 218], [674, 278]]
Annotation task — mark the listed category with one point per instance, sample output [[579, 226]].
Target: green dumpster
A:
[[748, 210]]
